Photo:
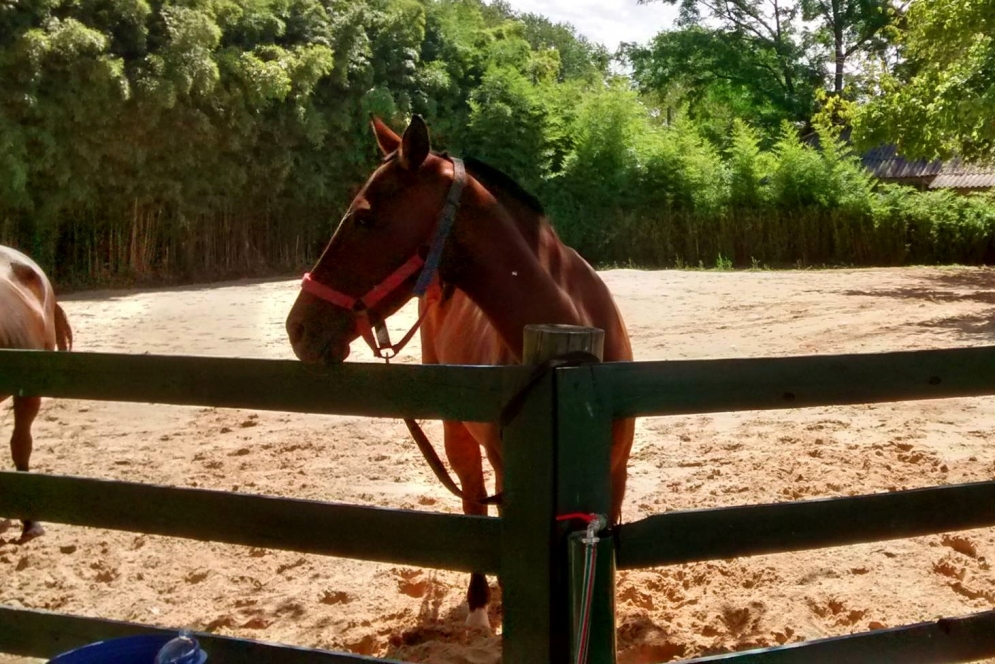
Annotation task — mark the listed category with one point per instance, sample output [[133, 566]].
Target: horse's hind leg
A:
[[463, 452], [21, 443]]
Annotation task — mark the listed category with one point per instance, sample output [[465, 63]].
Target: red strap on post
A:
[[586, 518]]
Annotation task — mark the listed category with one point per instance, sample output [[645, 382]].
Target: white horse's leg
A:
[[463, 452], [21, 444]]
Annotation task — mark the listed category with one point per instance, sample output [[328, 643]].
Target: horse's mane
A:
[[491, 176]]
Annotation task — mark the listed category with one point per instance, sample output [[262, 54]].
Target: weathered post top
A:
[[543, 342]]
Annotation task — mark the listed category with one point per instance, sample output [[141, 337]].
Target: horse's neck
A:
[[508, 278]]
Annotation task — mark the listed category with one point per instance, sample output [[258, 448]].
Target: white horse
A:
[[29, 319]]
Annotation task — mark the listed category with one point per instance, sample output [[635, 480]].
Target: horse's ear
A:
[[415, 145], [387, 140]]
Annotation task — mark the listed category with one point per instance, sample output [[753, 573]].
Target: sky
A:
[[608, 22]]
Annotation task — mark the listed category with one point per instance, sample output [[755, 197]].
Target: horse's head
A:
[[382, 248]]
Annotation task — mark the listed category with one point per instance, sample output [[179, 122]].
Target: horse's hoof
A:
[[478, 620], [31, 532], [5, 525]]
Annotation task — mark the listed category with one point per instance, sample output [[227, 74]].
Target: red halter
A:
[[362, 306]]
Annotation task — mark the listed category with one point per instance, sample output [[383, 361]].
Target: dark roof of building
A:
[[955, 176], [885, 163]]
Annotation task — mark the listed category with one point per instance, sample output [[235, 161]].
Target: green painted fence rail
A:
[[35, 633], [556, 456], [712, 386], [426, 539], [369, 390], [729, 532], [510, 546], [963, 639]]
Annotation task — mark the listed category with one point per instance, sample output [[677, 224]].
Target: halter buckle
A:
[[385, 350]]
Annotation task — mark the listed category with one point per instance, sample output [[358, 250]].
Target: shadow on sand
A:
[[421, 642], [974, 286]]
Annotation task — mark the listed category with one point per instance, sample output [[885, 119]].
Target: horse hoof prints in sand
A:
[[477, 251], [31, 320]]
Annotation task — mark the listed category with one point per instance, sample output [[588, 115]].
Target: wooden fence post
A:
[[528, 531], [583, 485], [556, 456], [533, 558]]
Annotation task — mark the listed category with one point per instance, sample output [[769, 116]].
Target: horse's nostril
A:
[[295, 331]]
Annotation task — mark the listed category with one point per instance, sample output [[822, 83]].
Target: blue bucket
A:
[[127, 650]]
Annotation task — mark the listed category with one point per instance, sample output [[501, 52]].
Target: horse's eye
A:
[[363, 220]]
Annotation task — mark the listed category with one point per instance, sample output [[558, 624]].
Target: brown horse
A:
[[29, 319], [478, 251]]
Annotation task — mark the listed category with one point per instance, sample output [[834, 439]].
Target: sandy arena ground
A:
[[680, 462]]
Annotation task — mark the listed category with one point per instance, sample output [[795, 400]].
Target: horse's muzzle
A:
[[316, 336]]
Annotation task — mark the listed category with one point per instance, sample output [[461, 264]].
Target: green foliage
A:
[[509, 125], [749, 168], [941, 101], [202, 138], [937, 226], [597, 178], [656, 196], [846, 31], [579, 58], [762, 62], [722, 74], [208, 138], [746, 59]]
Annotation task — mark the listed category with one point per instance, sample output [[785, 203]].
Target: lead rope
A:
[[421, 440], [508, 413]]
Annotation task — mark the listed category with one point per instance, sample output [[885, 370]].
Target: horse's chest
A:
[[459, 333]]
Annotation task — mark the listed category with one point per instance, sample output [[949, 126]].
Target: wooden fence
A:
[[556, 462]]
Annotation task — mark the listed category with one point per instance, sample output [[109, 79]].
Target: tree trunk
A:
[[838, 44]]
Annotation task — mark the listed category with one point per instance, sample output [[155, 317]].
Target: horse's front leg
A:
[[21, 444], [463, 452], [491, 436]]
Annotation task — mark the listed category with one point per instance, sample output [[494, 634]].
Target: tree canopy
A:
[[745, 56], [184, 135], [844, 32], [189, 139], [762, 61], [940, 101]]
